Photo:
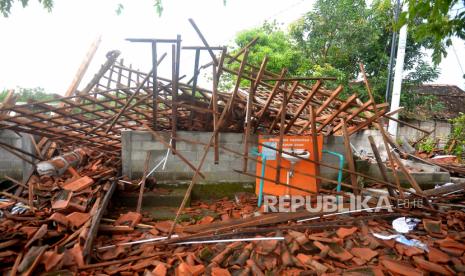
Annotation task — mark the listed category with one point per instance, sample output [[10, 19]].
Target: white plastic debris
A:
[[404, 225], [403, 240], [17, 209]]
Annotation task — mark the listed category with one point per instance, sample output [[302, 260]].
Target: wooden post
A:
[[381, 166], [215, 114], [83, 67], [350, 158], [155, 85], [202, 160], [316, 156], [282, 126], [247, 127], [87, 249], [194, 82], [144, 178], [250, 102], [381, 129]]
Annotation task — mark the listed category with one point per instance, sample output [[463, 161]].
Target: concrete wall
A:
[[137, 143], [441, 129], [10, 164]]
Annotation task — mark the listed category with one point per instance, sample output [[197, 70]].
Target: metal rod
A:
[[155, 85], [194, 82]]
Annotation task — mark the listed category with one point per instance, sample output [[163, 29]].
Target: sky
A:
[[42, 49]]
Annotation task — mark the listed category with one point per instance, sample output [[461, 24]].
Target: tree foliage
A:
[[6, 5], [274, 43], [29, 94], [440, 20], [332, 38]]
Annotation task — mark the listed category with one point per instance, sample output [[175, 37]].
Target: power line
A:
[[457, 58], [273, 16]]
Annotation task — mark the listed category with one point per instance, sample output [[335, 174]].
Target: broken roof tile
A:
[[159, 270], [52, 260], [344, 232], [130, 219], [77, 219], [339, 252], [401, 268], [217, 271], [434, 228], [364, 253], [79, 184], [431, 267]]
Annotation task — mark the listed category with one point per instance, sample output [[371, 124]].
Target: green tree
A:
[[346, 32], [332, 38], [29, 94], [5, 5], [440, 21], [274, 43]]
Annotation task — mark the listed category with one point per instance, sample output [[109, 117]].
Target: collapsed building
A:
[[59, 218]]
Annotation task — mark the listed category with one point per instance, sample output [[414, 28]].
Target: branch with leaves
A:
[[440, 21]]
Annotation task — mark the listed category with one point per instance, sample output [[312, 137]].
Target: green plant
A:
[[427, 145], [456, 142]]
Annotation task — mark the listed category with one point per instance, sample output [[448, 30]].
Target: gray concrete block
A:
[[231, 138], [182, 146], [151, 145], [141, 136], [191, 157], [138, 155], [137, 145]]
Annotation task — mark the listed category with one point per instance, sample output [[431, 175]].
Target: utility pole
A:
[[392, 129], [393, 52]]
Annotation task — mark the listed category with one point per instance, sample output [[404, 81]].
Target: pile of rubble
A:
[[54, 221], [58, 223], [237, 239]]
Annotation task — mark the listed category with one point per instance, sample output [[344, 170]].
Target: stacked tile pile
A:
[[345, 244], [54, 234]]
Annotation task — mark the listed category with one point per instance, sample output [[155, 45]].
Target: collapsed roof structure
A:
[[119, 97]]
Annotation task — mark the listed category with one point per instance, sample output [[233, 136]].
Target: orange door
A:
[[301, 145]]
